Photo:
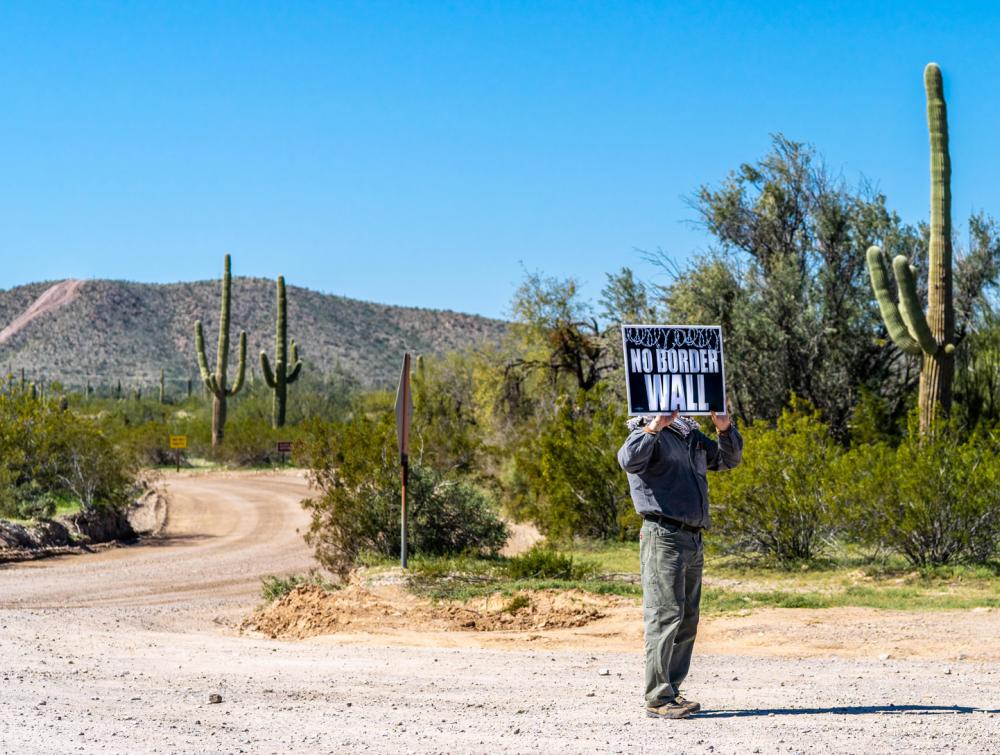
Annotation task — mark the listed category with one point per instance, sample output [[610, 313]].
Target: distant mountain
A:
[[102, 331]]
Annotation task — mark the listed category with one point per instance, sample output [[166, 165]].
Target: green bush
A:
[[566, 478], [777, 503], [273, 587], [356, 470], [49, 454], [935, 500], [142, 427], [35, 503], [543, 562], [252, 442], [148, 442]]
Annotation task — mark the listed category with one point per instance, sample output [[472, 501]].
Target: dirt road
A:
[[119, 652]]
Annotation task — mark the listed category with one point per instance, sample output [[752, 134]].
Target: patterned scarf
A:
[[682, 425]]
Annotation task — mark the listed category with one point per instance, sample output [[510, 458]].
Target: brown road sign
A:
[[178, 441], [284, 446]]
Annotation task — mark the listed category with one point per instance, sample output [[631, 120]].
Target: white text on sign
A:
[[672, 392]]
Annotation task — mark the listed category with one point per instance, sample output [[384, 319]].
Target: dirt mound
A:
[[310, 610], [533, 610]]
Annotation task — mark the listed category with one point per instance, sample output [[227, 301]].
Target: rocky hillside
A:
[[102, 331]]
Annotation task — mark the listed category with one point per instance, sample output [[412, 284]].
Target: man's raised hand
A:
[[722, 422], [660, 421]]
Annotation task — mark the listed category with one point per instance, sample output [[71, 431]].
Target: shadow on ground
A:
[[855, 710]]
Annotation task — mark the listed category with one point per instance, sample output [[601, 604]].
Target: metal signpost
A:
[[404, 415], [177, 442]]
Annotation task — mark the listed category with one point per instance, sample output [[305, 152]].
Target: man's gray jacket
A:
[[667, 473]]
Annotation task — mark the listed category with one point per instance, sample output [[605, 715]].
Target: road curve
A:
[[224, 531]]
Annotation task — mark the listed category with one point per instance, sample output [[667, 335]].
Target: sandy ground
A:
[[119, 651]]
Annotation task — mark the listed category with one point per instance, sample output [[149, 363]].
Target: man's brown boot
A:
[[671, 709], [691, 705]]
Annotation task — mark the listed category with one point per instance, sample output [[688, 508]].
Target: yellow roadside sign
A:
[[178, 441]]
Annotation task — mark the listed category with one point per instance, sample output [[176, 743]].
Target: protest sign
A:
[[674, 367]]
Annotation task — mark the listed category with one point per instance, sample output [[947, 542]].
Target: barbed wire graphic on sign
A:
[[673, 338], [648, 338]]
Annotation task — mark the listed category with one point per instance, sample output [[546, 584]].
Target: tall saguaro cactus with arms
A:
[[929, 336], [216, 382], [285, 371]]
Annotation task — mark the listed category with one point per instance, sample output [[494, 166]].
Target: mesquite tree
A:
[[216, 382], [285, 371], [930, 337]]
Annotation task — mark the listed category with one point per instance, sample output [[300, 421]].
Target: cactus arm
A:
[[241, 367], [293, 374], [887, 304], [909, 306], [199, 347], [265, 368]]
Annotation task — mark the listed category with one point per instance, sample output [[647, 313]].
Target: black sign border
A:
[[722, 354]]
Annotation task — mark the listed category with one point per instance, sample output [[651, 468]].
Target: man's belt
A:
[[660, 519]]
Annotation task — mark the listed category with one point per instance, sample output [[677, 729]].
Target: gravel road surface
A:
[[120, 652]]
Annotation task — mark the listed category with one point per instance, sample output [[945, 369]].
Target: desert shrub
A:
[[49, 454], [24, 499], [445, 423], [977, 374], [566, 478], [543, 562], [252, 442], [33, 501], [777, 502], [273, 587], [355, 468], [148, 442], [935, 500]]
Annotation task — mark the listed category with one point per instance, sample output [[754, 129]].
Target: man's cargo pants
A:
[[672, 560]]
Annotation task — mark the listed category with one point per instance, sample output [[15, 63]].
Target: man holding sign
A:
[[673, 371]]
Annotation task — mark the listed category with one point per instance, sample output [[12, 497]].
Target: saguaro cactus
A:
[[929, 337], [215, 382], [282, 375]]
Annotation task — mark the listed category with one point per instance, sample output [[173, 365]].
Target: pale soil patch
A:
[[523, 535], [51, 299]]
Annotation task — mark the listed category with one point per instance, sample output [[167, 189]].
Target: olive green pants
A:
[[672, 561]]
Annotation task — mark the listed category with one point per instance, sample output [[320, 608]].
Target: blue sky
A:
[[421, 153]]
